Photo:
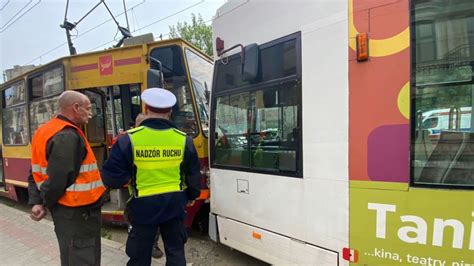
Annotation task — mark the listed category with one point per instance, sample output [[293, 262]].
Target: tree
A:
[[197, 33]]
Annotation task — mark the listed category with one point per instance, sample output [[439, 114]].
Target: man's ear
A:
[[75, 107]]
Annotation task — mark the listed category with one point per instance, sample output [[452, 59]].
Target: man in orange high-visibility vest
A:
[[65, 179]]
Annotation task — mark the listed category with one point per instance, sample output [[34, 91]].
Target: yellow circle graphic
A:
[[403, 100], [382, 47]]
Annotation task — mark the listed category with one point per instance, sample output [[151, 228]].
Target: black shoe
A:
[[157, 253]]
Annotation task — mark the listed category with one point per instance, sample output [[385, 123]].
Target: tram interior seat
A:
[[423, 148], [452, 160]]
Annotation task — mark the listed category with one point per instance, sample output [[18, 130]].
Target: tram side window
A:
[[41, 111], [443, 98], [45, 90], [201, 75], [53, 82], [273, 132], [15, 123], [36, 85], [231, 147], [278, 61], [14, 95], [96, 125], [258, 129], [257, 125], [175, 80], [230, 73]]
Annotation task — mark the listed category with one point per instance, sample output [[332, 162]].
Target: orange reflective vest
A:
[[88, 186]]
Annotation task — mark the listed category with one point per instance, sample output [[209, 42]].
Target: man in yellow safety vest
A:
[[162, 166]]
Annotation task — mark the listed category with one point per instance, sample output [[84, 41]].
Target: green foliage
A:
[[197, 33]]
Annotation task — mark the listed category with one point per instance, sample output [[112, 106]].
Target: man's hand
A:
[[37, 212], [190, 203]]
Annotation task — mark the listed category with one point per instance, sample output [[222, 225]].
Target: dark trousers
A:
[[157, 238], [141, 238], [78, 234]]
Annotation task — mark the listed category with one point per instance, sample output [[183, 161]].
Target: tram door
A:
[[123, 106], [95, 129]]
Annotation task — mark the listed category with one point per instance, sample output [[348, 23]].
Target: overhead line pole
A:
[[79, 36], [126, 16], [67, 26], [89, 12]]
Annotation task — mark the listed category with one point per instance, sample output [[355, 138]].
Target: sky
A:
[[30, 32]]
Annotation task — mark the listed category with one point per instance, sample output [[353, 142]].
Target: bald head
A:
[[139, 119], [69, 98], [75, 106]]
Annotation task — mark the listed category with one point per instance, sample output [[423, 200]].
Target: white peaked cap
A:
[[158, 98]]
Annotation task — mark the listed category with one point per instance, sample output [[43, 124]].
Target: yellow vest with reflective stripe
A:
[[158, 155]]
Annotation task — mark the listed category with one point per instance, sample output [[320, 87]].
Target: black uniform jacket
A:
[[119, 169]]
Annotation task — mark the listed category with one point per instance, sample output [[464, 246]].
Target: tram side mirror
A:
[[154, 78], [154, 75], [250, 62]]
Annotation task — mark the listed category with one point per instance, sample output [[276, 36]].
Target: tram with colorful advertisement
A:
[[348, 174], [113, 80]]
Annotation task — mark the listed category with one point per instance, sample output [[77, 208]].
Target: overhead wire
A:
[[104, 44], [16, 14], [6, 4], [110, 12], [159, 20], [8, 26], [100, 24], [174, 14], [82, 34], [230, 11], [134, 20], [88, 12], [169, 33], [95, 27]]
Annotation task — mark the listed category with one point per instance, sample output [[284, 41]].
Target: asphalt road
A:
[[200, 249]]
